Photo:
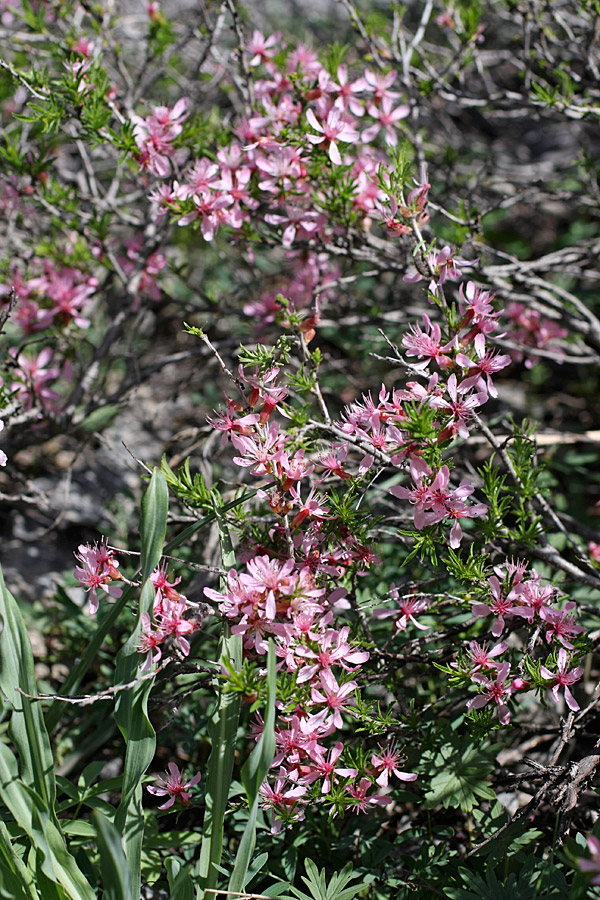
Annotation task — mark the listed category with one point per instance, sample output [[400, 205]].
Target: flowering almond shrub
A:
[[338, 301]]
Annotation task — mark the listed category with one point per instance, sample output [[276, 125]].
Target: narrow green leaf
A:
[[27, 728], [114, 864], [131, 707], [16, 880], [223, 732], [31, 814], [181, 886], [107, 619], [153, 527], [254, 771]]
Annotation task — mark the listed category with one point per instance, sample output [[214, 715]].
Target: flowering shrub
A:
[[355, 606]]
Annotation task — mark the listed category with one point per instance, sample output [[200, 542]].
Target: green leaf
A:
[[335, 889], [54, 864], [27, 728], [107, 619], [16, 879], [153, 528], [181, 886], [112, 858], [460, 771], [223, 732], [131, 707], [254, 771]]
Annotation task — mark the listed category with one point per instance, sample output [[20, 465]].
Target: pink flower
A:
[[334, 128], [172, 623], [563, 678], [261, 49], [427, 344], [173, 787], [149, 642], [98, 568], [333, 697], [386, 763], [380, 84], [460, 406], [33, 374], [487, 363], [592, 864], [495, 691], [361, 801], [300, 223], [594, 551], [154, 136], [281, 800], [500, 606], [407, 607], [482, 658], [346, 91], [386, 119], [325, 767]]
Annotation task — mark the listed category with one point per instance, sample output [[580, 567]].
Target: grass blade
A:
[[114, 864], [254, 772], [131, 707], [223, 734]]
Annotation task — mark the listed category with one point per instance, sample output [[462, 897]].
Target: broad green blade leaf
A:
[[131, 707], [181, 886], [27, 729], [153, 527], [29, 811], [254, 772], [114, 865], [255, 769], [16, 880], [223, 733]]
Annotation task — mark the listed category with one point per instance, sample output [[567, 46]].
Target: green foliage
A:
[[459, 771], [27, 773], [189, 488], [319, 888]]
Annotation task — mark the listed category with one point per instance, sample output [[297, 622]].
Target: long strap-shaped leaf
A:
[[27, 727], [27, 775], [131, 707], [15, 878], [254, 772], [115, 882], [223, 733]]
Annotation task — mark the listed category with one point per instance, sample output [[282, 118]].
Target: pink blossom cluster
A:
[[98, 568], [278, 599], [155, 134], [170, 617], [53, 298], [531, 329], [264, 449], [262, 177], [170, 620], [466, 365], [33, 374], [515, 596], [174, 787]]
